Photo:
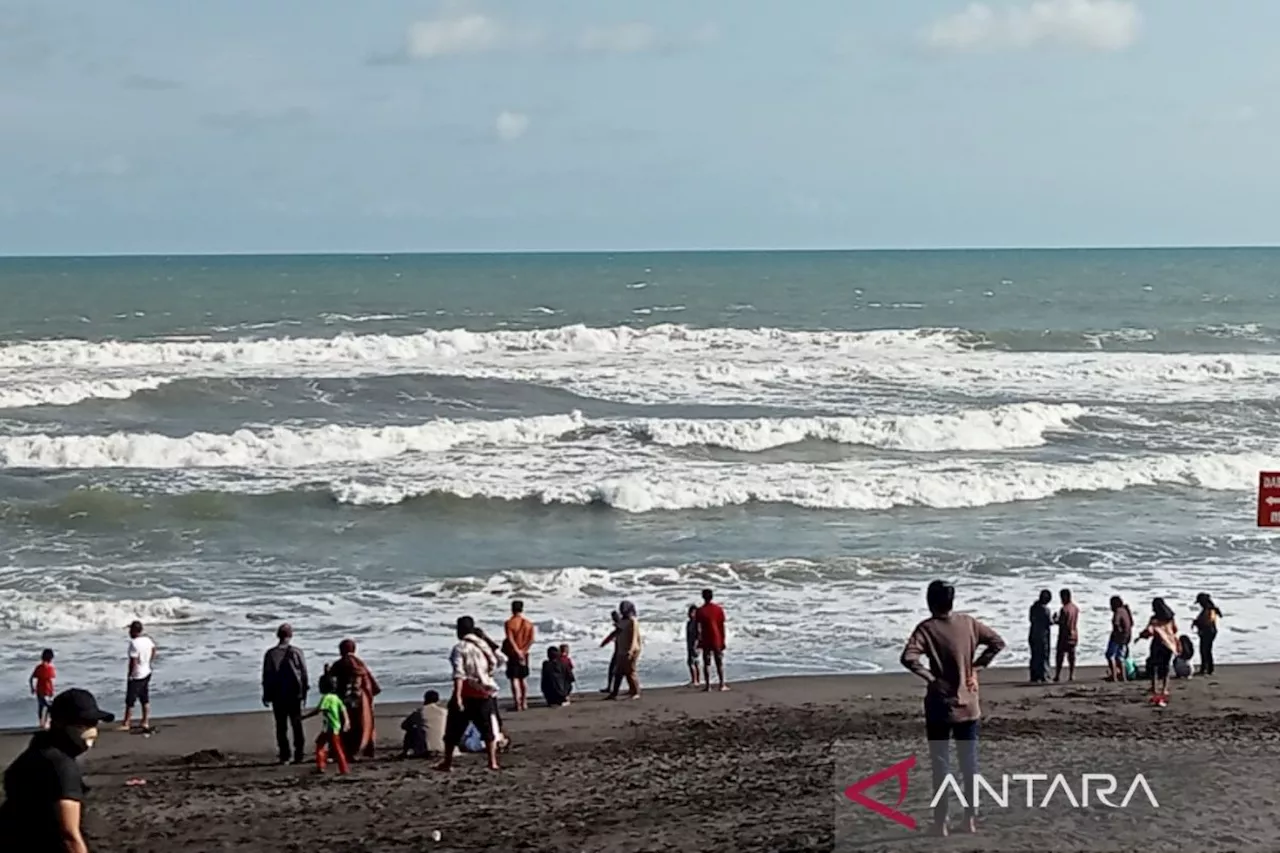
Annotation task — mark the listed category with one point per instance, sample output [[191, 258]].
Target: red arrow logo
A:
[[899, 771]]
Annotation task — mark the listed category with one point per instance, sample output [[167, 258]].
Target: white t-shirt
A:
[[141, 650]]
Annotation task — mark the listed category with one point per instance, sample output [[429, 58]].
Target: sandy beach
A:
[[761, 768]]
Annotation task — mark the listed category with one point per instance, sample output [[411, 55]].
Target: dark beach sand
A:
[[761, 768]]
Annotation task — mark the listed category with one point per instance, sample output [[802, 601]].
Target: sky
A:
[[325, 125]]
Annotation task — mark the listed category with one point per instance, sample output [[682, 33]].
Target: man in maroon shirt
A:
[[950, 640], [710, 620]]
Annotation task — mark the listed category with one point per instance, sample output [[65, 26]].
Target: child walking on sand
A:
[[334, 721], [42, 678]]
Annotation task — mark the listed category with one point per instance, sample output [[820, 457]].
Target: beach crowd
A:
[[44, 790]]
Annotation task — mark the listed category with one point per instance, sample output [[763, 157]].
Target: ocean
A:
[[371, 446]]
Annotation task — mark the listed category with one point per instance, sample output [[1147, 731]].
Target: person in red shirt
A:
[[42, 679], [710, 619]]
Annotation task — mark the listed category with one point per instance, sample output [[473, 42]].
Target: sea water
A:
[[372, 446]]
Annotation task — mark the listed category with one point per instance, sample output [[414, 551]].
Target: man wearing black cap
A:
[[43, 790]]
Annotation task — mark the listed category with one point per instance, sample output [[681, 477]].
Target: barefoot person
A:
[[1068, 621], [1118, 643], [950, 641], [475, 694], [1206, 625], [626, 652], [1163, 632], [711, 639], [517, 646], [1038, 637], [142, 654], [284, 690], [615, 618], [357, 687], [43, 789], [691, 646]]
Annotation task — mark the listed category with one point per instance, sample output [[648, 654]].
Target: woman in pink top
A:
[[1163, 632]]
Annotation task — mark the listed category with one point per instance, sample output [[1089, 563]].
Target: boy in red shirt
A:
[[710, 619], [42, 679]]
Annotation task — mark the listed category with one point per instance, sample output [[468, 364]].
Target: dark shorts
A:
[[43, 703], [516, 669], [483, 713], [693, 656], [1117, 651], [137, 690]]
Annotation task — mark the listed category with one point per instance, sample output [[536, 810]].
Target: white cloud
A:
[[453, 35], [511, 126], [1102, 25], [635, 37]]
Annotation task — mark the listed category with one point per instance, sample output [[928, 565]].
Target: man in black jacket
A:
[[284, 688]]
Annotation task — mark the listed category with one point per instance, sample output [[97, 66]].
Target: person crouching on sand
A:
[[475, 694], [1163, 632], [951, 710], [1121, 636], [424, 728], [334, 722], [557, 679]]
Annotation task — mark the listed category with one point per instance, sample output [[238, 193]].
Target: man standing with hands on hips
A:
[[142, 654]]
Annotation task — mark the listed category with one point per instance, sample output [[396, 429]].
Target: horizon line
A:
[[338, 253]]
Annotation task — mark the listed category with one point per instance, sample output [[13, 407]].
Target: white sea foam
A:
[[661, 484], [71, 391], [277, 447], [452, 343], [20, 611], [1019, 425]]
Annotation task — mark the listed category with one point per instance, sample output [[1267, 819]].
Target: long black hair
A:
[[1206, 602], [1161, 610]]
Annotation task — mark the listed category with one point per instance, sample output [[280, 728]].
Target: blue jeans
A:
[[941, 732]]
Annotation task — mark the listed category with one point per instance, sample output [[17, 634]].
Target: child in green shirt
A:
[[334, 721]]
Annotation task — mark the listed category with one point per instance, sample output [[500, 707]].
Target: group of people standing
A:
[[1171, 652]]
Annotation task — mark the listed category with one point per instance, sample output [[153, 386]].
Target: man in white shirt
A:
[[142, 653]]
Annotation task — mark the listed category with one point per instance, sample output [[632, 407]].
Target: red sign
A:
[[1269, 499]]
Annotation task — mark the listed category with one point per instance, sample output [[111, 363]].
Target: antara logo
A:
[[1093, 788]]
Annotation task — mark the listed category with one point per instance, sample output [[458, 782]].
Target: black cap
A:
[[76, 707]]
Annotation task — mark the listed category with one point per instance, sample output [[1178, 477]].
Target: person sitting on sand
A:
[[357, 687], [1182, 662], [334, 722], [557, 679], [626, 652], [1163, 633], [615, 617], [475, 694], [691, 646], [950, 641], [1206, 625], [424, 728], [1038, 637], [1068, 622], [1118, 642]]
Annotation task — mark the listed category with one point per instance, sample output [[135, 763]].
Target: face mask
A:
[[81, 738]]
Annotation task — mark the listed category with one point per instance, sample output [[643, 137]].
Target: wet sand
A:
[[761, 768]]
